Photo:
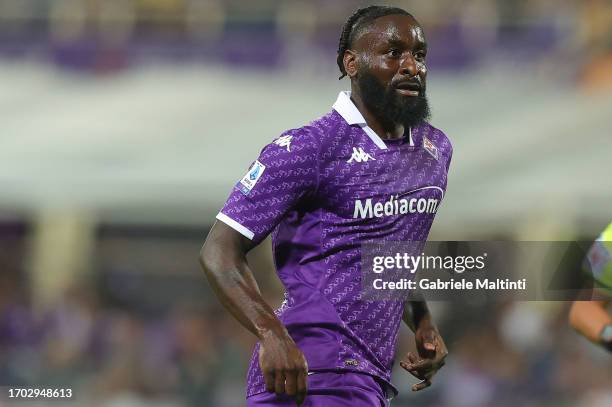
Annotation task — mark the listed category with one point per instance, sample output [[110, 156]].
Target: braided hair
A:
[[358, 20]]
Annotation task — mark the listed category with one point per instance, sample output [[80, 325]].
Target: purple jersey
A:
[[324, 190]]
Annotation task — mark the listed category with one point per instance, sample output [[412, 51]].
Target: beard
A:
[[389, 106]]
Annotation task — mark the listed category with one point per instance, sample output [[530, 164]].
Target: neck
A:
[[384, 129]]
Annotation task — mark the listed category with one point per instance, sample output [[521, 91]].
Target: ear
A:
[[350, 63]]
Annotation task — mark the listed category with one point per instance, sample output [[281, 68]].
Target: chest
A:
[[400, 178]]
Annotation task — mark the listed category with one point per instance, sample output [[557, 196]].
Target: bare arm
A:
[[223, 260], [589, 318], [415, 313]]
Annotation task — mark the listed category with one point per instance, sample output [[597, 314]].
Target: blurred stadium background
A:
[[125, 123]]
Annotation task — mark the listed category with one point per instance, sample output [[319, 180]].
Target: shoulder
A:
[[438, 137], [310, 136]]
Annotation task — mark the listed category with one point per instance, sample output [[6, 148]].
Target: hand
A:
[[430, 358], [283, 365]]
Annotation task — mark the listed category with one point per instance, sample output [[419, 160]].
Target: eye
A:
[[394, 52], [420, 55]]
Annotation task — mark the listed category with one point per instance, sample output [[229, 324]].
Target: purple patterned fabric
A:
[[330, 389], [323, 190]]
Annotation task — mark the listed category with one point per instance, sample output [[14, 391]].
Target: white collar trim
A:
[[347, 109], [349, 112]]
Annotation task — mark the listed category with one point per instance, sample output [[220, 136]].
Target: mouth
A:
[[408, 88]]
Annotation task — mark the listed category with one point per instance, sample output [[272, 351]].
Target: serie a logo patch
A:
[[253, 175], [430, 147]]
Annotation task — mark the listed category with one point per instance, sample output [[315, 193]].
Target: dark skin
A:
[[223, 256], [394, 50], [223, 259], [431, 349]]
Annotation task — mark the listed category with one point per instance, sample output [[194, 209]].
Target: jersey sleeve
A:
[[284, 173], [598, 262]]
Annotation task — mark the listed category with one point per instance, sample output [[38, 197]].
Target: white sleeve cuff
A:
[[235, 225]]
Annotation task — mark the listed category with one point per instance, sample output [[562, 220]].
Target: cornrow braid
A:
[[357, 20]]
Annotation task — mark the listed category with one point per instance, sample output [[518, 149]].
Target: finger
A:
[[422, 385], [429, 340], [269, 379], [422, 364], [416, 373], [302, 386], [410, 357], [290, 382], [279, 382]]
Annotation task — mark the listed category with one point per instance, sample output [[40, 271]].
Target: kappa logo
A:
[[284, 141], [360, 156]]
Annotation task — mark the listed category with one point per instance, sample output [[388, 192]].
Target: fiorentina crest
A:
[[430, 147]]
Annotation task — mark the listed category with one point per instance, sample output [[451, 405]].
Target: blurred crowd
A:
[[141, 327], [574, 36], [514, 354], [110, 356], [160, 344]]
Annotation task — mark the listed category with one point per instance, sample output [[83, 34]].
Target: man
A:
[[591, 318], [322, 189]]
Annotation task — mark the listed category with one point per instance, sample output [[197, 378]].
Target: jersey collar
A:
[[349, 112]]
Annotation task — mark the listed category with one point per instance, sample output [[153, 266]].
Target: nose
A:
[[408, 65]]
